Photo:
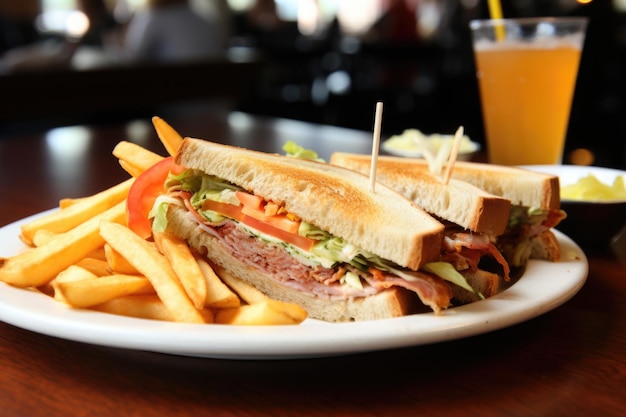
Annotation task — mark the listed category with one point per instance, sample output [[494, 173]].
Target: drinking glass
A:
[[526, 71]]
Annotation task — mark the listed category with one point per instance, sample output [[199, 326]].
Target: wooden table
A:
[[568, 362]]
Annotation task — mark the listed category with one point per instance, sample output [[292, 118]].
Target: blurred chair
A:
[[60, 97], [171, 30]]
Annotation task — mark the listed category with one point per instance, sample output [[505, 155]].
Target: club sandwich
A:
[[306, 232]]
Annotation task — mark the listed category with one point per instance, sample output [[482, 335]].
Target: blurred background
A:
[[65, 62]]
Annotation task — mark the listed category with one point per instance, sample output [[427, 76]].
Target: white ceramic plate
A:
[[543, 287]]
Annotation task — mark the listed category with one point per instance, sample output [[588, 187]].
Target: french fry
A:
[[63, 220], [268, 312], [185, 266], [154, 266], [98, 267], [140, 306], [218, 293], [144, 307], [138, 157], [89, 292], [71, 274], [245, 291], [131, 169], [42, 236], [66, 202], [40, 265], [97, 254], [117, 263], [169, 137]]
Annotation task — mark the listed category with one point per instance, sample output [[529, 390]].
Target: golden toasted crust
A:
[[387, 304], [532, 189], [335, 199], [457, 201]]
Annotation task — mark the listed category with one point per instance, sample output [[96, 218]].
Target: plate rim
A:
[[34, 311]]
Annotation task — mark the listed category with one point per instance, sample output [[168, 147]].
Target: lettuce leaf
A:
[[294, 150], [446, 271]]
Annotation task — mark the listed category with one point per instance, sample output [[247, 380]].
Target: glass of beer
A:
[[526, 71]]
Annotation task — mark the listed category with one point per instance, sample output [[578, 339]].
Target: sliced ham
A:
[[275, 261]]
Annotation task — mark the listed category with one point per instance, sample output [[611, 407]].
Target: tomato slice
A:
[[254, 206], [280, 221], [250, 200], [144, 192], [229, 210], [252, 213], [295, 239]]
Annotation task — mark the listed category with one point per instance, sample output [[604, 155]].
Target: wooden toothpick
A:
[[453, 155], [375, 144]]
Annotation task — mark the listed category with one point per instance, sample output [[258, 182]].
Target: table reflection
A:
[[67, 150]]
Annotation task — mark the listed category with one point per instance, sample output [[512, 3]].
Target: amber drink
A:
[[526, 71]]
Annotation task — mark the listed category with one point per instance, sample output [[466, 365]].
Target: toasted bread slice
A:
[[532, 189], [332, 198], [458, 202]]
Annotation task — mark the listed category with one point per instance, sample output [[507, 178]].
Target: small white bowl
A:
[[592, 224]]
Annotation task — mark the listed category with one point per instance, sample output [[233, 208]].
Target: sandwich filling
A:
[[465, 249], [525, 224], [263, 235]]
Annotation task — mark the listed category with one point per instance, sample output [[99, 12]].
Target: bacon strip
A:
[[431, 290], [472, 247], [493, 251]]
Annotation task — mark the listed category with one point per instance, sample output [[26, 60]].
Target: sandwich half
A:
[[473, 219], [535, 211], [522, 232], [305, 232]]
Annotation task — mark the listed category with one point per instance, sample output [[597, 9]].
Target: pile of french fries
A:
[[85, 256]]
